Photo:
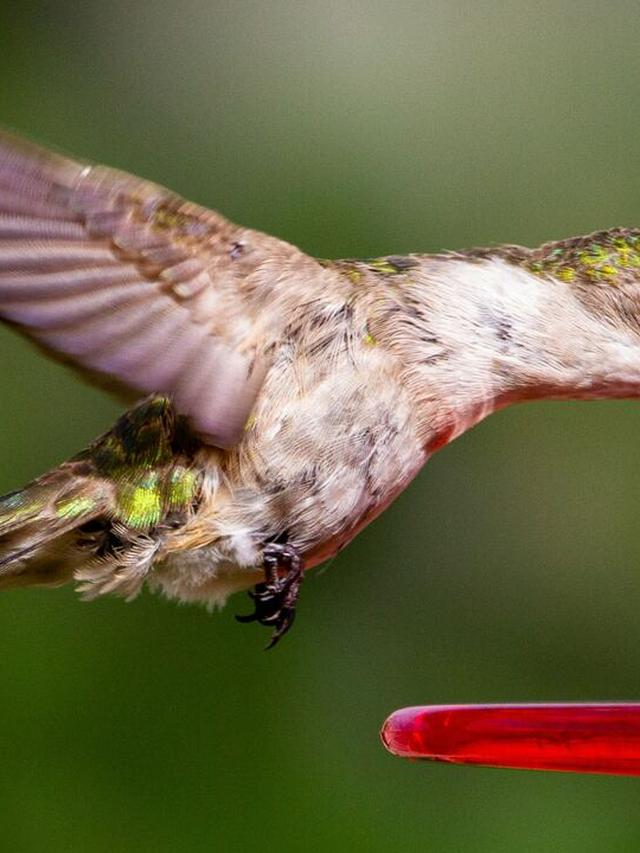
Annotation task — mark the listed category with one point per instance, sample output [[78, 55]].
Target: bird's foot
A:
[[275, 599]]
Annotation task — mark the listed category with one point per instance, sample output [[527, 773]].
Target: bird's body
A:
[[294, 398]]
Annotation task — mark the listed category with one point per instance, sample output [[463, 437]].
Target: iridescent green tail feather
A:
[[101, 516]]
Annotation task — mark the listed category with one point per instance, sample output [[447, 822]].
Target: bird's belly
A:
[[232, 562], [332, 546], [202, 575]]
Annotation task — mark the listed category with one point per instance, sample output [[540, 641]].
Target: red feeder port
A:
[[581, 738]]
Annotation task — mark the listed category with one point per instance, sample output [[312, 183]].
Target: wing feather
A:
[[21, 286], [31, 228], [148, 292]]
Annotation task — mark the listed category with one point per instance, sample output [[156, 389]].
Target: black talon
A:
[[276, 597]]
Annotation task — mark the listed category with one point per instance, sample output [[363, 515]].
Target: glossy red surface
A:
[[583, 738]]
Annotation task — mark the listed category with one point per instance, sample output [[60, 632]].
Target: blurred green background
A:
[[508, 571]]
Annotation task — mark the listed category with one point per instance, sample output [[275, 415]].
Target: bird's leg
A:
[[275, 598]]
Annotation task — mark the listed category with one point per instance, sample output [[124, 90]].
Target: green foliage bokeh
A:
[[508, 571]]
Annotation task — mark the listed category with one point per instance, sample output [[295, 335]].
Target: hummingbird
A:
[[277, 402]]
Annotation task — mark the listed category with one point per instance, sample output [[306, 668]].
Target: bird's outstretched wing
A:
[[136, 287]]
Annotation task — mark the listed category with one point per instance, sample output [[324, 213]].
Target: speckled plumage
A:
[[611, 257], [293, 399]]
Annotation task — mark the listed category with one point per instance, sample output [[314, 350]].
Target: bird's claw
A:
[[276, 597]]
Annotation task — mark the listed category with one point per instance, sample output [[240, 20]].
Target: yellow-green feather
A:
[[609, 257]]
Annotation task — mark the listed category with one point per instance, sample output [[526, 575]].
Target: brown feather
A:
[[121, 278]]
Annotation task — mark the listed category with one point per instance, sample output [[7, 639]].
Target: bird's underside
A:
[[285, 400]]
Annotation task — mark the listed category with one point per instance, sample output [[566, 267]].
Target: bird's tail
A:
[[100, 517], [37, 545]]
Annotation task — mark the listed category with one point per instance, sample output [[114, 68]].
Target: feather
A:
[[100, 516], [142, 290]]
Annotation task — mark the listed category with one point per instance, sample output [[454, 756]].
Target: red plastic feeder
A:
[[580, 738]]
